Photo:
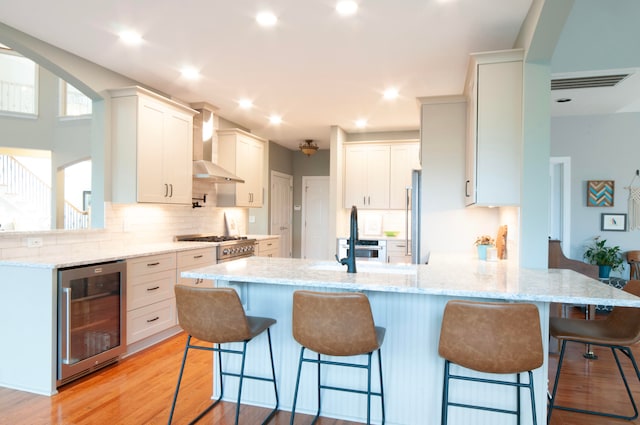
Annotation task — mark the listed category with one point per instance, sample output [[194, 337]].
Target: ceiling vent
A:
[[587, 82]]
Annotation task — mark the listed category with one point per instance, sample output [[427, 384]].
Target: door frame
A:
[[564, 163]]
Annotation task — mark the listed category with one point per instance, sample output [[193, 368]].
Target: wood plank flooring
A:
[[132, 392]]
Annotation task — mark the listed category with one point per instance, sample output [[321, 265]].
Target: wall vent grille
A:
[[587, 82]]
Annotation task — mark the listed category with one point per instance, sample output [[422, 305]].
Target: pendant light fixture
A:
[[308, 147]]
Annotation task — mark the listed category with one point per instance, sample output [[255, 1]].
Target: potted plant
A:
[[483, 242], [607, 258]]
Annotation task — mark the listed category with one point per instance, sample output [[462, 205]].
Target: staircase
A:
[[26, 196]]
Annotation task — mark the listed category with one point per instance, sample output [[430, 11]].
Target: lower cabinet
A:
[[397, 252], [192, 259], [150, 297], [268, 247]]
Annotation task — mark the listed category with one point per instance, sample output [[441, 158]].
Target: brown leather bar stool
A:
[[500, 338], [336, 324], [215, 315], [618, 331], [633, 258]]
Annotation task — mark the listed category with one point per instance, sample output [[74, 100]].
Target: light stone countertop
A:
[[67, 257], [448, 276]]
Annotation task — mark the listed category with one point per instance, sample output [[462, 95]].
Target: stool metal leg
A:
[[295, 392], [381, 386], [319, 390], [445, 394], [244, 354]]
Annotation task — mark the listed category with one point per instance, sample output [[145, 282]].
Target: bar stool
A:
[[215, 315], [500, 338], [618, 331], [336, 324]]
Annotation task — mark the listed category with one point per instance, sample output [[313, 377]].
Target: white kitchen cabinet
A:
[[269, 247], [241, 153], [152, 148], [366, 176], [150, 295], [494, 128], [397, 251], [404, 158], [193, 259]]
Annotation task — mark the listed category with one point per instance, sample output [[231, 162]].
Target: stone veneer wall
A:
[[126, 224]]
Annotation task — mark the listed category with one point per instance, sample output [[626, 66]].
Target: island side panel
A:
[[412, 368], [28, 322]]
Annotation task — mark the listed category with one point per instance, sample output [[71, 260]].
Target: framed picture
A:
[[86, 200], [613, 222], [600, 193]]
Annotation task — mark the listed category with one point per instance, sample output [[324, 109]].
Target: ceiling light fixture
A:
[[130, 37], [308, 147], [390, 94], [266, 19], [361, 123], [190, 73], [275, 119], [245, 103], [346, 7]]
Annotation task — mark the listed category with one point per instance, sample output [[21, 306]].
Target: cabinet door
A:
[[378, 177], [178, 156], [404, 158], [471, 143], [243, 155], [151, 184], [355, 177]]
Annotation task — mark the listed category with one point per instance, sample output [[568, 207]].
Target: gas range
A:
[[227, 247]]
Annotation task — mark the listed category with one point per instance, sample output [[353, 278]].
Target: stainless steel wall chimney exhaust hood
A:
[[203, 133]]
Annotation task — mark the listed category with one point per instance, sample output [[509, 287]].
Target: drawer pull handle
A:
[[153, 289], [198, 256], [153, 264], [153, 320]]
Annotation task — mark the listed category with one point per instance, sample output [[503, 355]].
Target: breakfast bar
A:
[[408, 300]]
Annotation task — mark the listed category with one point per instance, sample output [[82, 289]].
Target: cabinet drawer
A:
[[196, 258], [150, 288], [150, 264], [147, 321]]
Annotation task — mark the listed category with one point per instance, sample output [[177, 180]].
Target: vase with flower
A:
[[482, 243]]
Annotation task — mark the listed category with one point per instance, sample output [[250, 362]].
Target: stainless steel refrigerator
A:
[[412, 219]]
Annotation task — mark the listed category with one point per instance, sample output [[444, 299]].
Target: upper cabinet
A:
[[152, 148], [376, 175], [241, 153], [494, 128]]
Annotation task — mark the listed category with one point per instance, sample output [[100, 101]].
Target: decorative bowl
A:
[[391, 233]]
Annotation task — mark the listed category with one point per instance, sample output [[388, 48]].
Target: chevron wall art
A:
[[600, 193]]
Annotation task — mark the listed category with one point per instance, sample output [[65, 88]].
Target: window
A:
[[17, 83], [73, 102]]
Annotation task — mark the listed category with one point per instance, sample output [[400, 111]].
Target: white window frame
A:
[[4, 50], [63, 105]]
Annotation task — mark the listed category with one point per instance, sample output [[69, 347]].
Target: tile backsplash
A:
[[126, 224]]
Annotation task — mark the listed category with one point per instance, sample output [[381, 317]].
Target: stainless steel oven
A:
[[366, 249], [91, 318]]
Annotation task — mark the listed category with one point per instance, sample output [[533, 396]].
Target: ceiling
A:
[[314, 68]]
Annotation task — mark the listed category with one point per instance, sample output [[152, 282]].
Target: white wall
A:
[[601, 147]]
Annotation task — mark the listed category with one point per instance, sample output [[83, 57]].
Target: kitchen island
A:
[[409, 301]]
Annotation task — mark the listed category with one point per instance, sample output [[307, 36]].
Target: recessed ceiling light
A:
[[275, 119], [266, 19], [190, 73], [245, 103], [346, 7], [390, 94], [361, 123], [130, 37]]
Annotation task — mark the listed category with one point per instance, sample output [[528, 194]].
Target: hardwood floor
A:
[[131, 392]]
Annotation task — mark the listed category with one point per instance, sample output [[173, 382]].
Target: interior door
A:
[[281, 208], [317, 244]]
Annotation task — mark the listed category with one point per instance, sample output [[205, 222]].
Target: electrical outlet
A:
[[252, 219], [34, 242]]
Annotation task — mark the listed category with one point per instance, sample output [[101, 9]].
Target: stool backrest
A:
[[492, 337], [212, 314], [633, 258], [336, 324], [625, 321]]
